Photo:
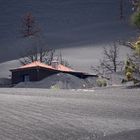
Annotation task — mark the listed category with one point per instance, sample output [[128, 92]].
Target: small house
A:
[[37, 71]]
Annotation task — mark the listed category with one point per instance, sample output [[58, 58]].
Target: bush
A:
[[56, 87], [136, 19], [129, 76], [104, 83], [101, 83]]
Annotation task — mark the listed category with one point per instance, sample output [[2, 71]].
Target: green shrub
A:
[[136, 19], [55, 87], [104, 83], [101, 82]]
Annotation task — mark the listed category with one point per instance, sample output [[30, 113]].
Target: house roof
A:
[[35, 64], [64, 68], [39, 64]]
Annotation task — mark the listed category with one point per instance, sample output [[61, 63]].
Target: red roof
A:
[[64, 68], [39, 64], [35, 64]]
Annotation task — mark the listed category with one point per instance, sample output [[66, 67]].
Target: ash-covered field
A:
[[41, 114]]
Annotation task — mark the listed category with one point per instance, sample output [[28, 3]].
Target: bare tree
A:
[[29, 26], [63, 61], [110, 62], [37, 50], [45, 56]]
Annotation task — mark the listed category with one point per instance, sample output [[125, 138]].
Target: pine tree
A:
[[132, 65]]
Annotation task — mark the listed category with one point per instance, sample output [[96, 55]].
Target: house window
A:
[[26, 78]]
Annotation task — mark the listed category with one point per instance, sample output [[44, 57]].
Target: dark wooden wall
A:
[[38, 73], [35, 74]]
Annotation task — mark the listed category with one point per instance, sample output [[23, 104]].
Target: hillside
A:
[[67, 25], [39, 114]]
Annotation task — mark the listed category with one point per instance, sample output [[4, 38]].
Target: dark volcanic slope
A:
[[37, 114], [64, 23]]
